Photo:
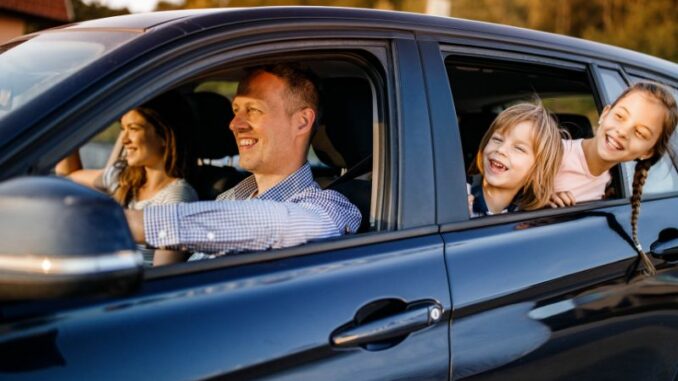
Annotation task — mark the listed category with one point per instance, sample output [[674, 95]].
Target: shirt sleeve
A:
[[233, 226], [109, 178]]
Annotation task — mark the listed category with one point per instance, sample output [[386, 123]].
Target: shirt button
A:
[[162, 234], [210, 236]]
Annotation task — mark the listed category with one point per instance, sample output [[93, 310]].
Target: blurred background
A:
[[648, 26]]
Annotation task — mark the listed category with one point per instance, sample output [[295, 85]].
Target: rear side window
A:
[[482, 89]]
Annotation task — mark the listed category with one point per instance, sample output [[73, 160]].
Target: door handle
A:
[[666, 246], [390, 327], [665, 250]]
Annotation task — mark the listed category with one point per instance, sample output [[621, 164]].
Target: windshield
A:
[[29, 67]]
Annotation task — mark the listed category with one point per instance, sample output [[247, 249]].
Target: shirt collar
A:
[[480, 206], [299, 180]]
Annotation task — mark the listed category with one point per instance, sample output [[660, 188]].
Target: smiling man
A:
[[280, 205]]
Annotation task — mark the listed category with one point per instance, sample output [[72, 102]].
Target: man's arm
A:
[[232, 226]]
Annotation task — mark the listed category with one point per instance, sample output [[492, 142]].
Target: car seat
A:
[[343, 140], [578, 126], [212, 139], [472, 127]]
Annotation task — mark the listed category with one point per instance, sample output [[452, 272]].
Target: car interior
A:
[[341, 147]]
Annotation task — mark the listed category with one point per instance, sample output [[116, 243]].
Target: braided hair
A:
[[662, 95]]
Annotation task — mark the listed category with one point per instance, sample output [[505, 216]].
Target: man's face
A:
[[263, 129]]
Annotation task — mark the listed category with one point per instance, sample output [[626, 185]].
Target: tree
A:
[[95, 10]]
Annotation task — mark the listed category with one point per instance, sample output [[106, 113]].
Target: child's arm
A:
[[562, 199]]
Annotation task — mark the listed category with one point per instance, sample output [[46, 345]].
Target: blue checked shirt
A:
[[293, 212]]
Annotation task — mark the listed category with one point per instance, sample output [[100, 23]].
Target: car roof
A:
[[194, 20]]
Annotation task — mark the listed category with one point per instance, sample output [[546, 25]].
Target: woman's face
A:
[[630, 129], [143, 145], [508, 157]]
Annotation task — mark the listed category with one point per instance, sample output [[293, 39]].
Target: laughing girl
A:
[[517, 160]]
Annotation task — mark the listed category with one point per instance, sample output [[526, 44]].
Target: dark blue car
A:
[[422, 292]]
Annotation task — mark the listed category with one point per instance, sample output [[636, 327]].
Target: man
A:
[[280, 205]]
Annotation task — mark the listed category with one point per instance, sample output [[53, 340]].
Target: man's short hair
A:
[[302, 85]]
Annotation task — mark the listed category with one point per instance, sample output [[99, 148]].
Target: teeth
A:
[[614, 143], [497, 164], [247, 142]]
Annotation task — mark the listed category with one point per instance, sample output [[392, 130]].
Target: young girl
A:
[[517, 159], [636, 126]]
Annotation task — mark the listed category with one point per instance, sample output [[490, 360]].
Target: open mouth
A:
[[613, 143], [497, 166], [246, 143]]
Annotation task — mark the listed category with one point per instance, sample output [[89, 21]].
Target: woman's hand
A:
[[562, 199]]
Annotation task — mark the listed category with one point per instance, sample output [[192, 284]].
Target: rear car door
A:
[[370, 307], [550, 294]]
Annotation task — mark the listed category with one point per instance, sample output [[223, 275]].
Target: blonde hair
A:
[[548, 151], [663, 96]]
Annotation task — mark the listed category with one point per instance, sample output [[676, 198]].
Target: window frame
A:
[[517, 55], [385, 166]]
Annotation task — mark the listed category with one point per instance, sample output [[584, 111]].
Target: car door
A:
[[372, 306], [550, 294]]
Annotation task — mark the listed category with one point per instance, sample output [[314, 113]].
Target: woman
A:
[[155, 160]]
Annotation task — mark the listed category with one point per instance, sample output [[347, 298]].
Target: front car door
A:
[[371, 306]]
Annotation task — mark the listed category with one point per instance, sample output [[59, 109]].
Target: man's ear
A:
[[304, 119]]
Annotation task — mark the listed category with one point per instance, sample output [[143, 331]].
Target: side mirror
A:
[[58, 239]]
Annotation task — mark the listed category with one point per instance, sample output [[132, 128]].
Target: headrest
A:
[[578, 126], [344, 135], [212, 114], [472, 127]]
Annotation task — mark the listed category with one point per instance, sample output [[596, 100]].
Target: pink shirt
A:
[[574, 175]]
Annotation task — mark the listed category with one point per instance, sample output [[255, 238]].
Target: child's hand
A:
[[470, 204], [562, 199]]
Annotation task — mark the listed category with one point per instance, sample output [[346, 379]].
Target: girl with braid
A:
[[636, 126]]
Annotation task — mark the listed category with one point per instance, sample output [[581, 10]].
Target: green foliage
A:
[[95, 10], [642, 25]]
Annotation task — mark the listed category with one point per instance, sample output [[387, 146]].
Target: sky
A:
[[135, 6]]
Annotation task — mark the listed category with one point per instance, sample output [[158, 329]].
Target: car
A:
[[422, 292]]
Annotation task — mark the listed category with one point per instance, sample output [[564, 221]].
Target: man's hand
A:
[[562, 199], [135, 220]]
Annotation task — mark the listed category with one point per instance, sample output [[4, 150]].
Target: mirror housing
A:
[[58, 239]]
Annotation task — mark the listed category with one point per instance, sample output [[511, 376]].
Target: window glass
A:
[[96, 152], [613, 83], [29, 67]]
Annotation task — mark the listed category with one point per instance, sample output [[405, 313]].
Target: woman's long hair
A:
[[662, 96], [170, 116]]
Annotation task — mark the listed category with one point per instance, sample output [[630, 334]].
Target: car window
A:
[[613, 83], [481, 89], [29, 67], [342, 153]]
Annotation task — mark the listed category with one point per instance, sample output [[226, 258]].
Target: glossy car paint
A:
[[540, 294]]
